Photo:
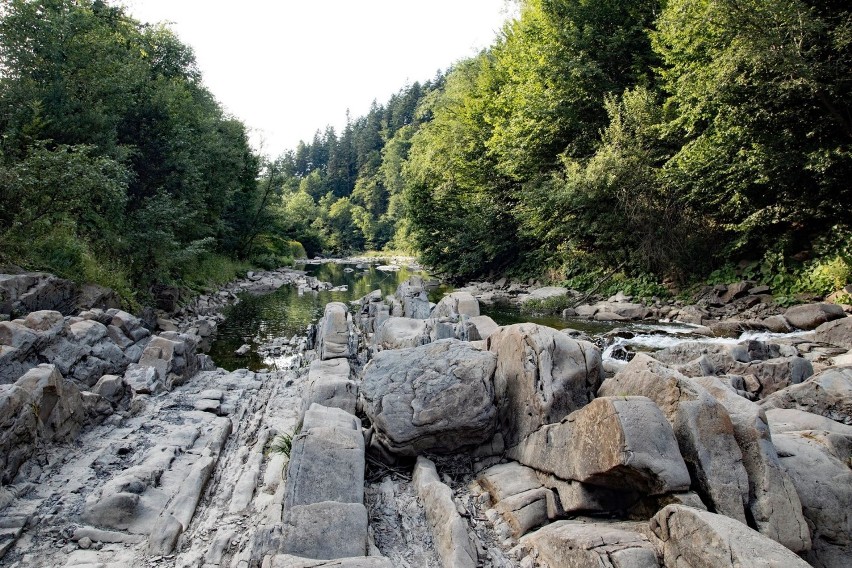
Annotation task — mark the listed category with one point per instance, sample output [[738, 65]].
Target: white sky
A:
[[289, 67]]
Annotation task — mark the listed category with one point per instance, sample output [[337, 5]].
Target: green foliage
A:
[[545, 306]]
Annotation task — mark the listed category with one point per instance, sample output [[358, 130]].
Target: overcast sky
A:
[[287, 68]]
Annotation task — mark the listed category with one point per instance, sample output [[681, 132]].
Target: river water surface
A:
[[286, 313]]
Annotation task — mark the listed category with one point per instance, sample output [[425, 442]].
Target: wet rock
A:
[[438, 397], [699, 539], [622, 443], [702, 426], [773, 502], [811, 316], [541, 376], [828, 394], [570, 544]]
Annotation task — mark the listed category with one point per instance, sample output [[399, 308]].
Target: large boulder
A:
[[438, 397], [578, 544], [811, 316], [702, 426], [837, 332], [412, 298], [700, 539], [542, 375], [622, 443], [773, 503], [828, 394], [401, 333], [456, 304], [334, 333], [818, 464]]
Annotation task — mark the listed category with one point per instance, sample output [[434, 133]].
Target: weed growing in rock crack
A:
[[283, 443]]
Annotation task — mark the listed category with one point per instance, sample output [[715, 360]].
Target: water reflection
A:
[[286, 312]]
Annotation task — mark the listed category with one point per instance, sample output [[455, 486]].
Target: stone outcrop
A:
[[334, 332], [702, 426], [542, 375], [699, 539], [28, 292], [519, 498], [773, 503], [40, 407], [437, 398], [401, 333], [411, 300], [828, 394]]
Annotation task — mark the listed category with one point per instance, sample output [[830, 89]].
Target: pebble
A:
[[85, 543]]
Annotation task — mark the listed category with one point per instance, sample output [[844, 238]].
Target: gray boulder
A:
[[21, 294], [542, 375], [817, 463], [828, 394], [334, 333], [173, 357], [702, 426], [699, 539], [773, 502], [837, 332], [622, 443], [401, 333], [438, 397], [782, 420], [412, 299], [329, 385], [290, 561], [811, 316], [456, 304]]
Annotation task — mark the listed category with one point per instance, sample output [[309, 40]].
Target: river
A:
[[257, 319]]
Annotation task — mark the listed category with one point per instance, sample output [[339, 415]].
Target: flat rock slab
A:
[[622, 443], [326, 464], [507, 479], [576, 544], [438, 397], [699, 539], [325, 417], [325, 531], [401, 333]]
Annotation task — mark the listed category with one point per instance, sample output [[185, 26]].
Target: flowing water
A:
[[257, 319]]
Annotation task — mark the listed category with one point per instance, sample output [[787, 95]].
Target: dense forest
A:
[[647, 141]]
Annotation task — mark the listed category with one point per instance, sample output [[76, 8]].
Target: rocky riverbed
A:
[[422, 435]]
